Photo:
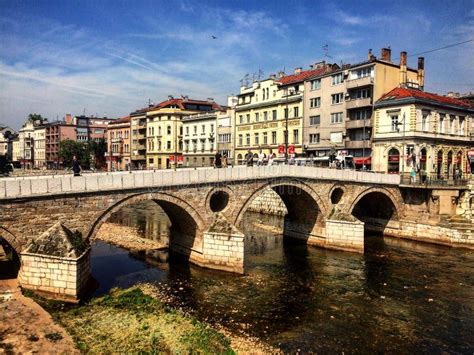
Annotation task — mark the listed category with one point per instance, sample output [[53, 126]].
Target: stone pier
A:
[[345, 235]]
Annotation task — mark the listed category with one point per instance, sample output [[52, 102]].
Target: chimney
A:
[[403, 68], [298, 70], [210, 99], [273, 76], [281, 74], [386, 54], [421, 72], [369, 55], [68, 118]]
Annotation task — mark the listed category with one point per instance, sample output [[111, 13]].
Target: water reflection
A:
[[398, 297]]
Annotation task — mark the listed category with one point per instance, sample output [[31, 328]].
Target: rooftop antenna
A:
[[326, 51], [84, 112], [260, 74]]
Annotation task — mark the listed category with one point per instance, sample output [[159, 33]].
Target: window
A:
[[286, 113], [263, 95], [248, 117], [265, 138], [314, 120], [360, 114], [159, 131], [315, 102], [295, 111], [212, 128], [241, 118], [265, 116], [441, 124], [187, 130], [203, 129], [274, 137], [314, 138], [337, 79], [256, 139], [168, 130], [168, 145], [240, 140], [337, 98], [316, 84], [274, 114], [295, 136], [360, 94], [363, 72], [461, 126], [451, 126], [195, 129], [256, 116], [336, 117], [424, 121], [247, 139], [394, 119]]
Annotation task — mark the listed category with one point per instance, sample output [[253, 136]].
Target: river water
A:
[[400, 296]]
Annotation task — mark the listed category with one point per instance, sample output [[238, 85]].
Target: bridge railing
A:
[[67, 184]]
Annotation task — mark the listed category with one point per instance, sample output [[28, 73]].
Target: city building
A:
[[26, 137], [39, 146], [165, 129], [225, 130], [56, 132], [91, 128], [324, 110], [138, 137], [16, 151], [265, 111], [339, 104], [200, 141], [418, 130], [6, 136], [118, 145]]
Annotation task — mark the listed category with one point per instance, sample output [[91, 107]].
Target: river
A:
[[400, 296]]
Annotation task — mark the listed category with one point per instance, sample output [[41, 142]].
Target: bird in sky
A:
[[214, 37]]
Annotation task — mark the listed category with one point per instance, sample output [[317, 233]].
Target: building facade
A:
[[421, 131], [55, 132], [200, 141], [119, 145], [91, 128], [164, 130], [6, 136], [138, 138], [26, 137], [266, 110], [225, 130], [39, 145]]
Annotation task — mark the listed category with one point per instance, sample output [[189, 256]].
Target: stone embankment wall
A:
[[268, 202], [65, 278], [225, 250], [345, 235]]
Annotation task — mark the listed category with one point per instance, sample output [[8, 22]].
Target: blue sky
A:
[[59, 57]]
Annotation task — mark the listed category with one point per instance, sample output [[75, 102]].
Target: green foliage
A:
[[86, 153]]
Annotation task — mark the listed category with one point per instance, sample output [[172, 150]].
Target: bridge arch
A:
[[306, 209], [13, 241], [10, 267], [187, 225], [377, 207]]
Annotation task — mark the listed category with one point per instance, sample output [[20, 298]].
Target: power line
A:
[[440, 48]]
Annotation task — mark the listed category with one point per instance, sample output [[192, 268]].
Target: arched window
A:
[[439, 165], [450, 164], [423, 159], [393, 163]]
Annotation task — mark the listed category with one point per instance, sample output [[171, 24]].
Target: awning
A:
[[363, 161]]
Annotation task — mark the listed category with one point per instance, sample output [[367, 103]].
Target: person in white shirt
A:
[[261, 157]]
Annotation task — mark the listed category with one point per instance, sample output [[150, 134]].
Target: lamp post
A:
[[287, 113], [403, 144]]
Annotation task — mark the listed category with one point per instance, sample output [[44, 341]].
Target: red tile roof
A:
[[121, 120], [403, 93], [180, 103], [297, 78]]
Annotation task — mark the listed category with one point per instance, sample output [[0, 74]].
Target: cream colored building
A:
[[200, 139], [39, 145], [6, 134], [164, 130], [418, 130], [225, 130], [138, 138], [16, 154], [265, 111]]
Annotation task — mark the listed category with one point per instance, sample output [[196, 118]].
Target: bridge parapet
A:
[[11, 188]]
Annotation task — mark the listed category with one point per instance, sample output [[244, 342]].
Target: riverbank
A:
[[135, 320], [126, 237], [26, 328]]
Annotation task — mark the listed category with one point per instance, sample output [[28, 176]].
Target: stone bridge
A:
[[326, 207]]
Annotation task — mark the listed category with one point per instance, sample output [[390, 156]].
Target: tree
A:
[[98, 150], [69, 148]]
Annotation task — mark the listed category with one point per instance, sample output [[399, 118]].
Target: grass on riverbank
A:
[[126, 321]]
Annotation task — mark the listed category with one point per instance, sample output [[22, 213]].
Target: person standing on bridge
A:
[[76, 167], [218, 160], [249, 158]]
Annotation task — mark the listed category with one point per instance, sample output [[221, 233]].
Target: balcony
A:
[[357, 144], [352, 124], [356, 103], [355, 83]]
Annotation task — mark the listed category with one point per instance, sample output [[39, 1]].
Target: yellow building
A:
[[421, 131], [264, 112], [164, 130]]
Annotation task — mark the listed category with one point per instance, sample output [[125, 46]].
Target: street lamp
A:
[[403, 144]]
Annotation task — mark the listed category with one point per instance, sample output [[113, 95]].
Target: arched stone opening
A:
[[376, 209], [9, 255], [305, 209], [336, 195], [186, 225]]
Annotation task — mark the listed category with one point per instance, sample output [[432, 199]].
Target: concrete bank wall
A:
[[268, 202]]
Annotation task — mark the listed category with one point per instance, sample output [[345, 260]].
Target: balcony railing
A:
[[352, 124], [355, 103], [354, 83]]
